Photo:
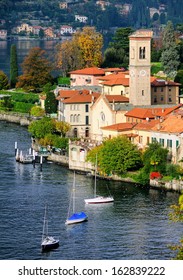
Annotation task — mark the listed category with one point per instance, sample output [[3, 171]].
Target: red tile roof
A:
[[66, 93], [172, 124], [140, 113], [95, 71], [82, 97], [117, 80], [146, 125], [119, 127], [163, 83], [151, 113], [117, 98]]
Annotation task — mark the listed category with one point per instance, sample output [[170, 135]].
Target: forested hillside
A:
[[15, 11]]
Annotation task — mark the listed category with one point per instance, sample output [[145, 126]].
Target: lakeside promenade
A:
[[24, 120]]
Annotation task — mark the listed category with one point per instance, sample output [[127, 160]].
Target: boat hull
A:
[[99, 200], [77, 218], [49, 244]]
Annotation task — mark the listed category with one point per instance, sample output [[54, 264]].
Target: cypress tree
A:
[[50, 103], [13, 66], [170, 54]]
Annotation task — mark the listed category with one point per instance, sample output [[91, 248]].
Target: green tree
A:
[[41, 33], [40, 128], [62, 127], [117, 156], [36, 71], [117, 54], [50, 103], [37, 111], [13, 66], [176, 215], [155, 158], [169, 55], [4, 84], [179, 79], [84, 50]]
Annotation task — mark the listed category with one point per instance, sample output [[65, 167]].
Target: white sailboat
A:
[[75, 217], [48, 242], [98, 199]]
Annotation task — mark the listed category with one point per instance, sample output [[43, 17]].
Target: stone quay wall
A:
[[173, 185], [15, 118]]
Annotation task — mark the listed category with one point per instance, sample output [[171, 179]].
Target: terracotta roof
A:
[[172, 124], [167, 111], [115, 69], [66, 93], [119, 126], [109, 77], [140, 113], [116, 80], [95, 71], [82, 97], [117, 98], [146, 125], [163, 83]]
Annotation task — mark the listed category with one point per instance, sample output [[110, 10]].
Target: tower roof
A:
[[142, 33]]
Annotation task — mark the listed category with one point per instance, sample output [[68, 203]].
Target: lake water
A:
[[23, 48], [135, 226]]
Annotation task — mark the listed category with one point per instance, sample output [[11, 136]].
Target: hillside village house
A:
[[67, 29], [24, 27], [3, 34], [80, 18]]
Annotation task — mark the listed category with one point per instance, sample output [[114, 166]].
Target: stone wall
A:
[[15, 118], [173, 185]]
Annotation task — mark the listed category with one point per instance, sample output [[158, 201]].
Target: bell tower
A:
[[140, 67]]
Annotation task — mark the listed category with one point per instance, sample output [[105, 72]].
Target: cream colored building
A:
[[107, 110], [25, 27]]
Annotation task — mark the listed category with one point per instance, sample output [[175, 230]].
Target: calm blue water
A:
[[23, 48], [136, 226]]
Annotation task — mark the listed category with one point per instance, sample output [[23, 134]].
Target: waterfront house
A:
[[169, 133], [76, 111], [67, 30], [3, 34], [24, 27]]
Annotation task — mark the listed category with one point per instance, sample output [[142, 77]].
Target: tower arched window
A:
[[87, 132], [142, 53]]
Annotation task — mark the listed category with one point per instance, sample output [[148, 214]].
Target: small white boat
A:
[[75, 217], [48, 242], [98, 199], [26, 159]]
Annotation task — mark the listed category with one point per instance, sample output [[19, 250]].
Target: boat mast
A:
[[95, 185], [45, 224], [73, 194]]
